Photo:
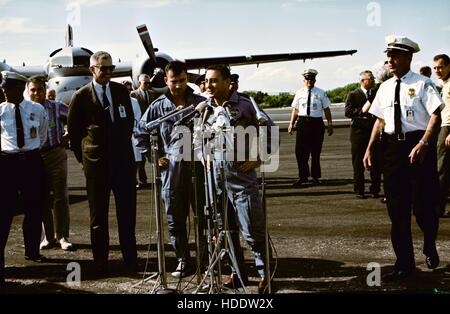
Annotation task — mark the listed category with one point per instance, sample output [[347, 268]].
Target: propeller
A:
[[147, 42]]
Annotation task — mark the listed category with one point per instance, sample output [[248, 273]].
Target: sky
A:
[[31, 30]]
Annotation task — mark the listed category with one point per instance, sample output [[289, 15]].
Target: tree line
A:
[[265, 100]]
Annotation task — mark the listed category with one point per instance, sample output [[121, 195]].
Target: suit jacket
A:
[[353, 108], [100, 145], [141, 100]]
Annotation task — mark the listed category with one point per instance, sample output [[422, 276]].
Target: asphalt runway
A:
[[324, 238]]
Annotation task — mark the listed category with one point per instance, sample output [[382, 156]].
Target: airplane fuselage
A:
[[65, 87]]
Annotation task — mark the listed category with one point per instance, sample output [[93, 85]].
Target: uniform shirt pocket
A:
[[413, 101], [387, 109]]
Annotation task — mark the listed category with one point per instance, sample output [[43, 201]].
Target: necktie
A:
[[368, 94], [106, 103], [308, 104], [397, 110], [146, 97], [19, 128]]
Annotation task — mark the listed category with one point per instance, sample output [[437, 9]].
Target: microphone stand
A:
[[161, 274], [262, 121], [223, 243]]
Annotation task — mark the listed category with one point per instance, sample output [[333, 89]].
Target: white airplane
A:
[[67, 68]]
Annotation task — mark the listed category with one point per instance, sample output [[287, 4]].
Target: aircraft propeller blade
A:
[[146, 41]]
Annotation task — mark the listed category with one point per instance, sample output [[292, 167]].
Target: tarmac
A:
[[323, 238]]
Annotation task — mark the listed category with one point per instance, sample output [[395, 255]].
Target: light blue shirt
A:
[[418, 100], [34, 117]]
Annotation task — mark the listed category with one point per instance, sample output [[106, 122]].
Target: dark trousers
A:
[[142, 175], [410, 187], [443, 167], [98, 190], [359, 138], [25, 174], [309, 140]]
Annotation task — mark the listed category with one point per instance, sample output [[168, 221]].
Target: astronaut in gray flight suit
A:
[[177, 189], [240, 176]]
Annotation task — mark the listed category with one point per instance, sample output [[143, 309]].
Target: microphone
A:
[[155, 123], [198, 110], [226, 105], [260, 115]]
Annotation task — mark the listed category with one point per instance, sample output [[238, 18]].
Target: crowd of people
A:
[[399, 132]]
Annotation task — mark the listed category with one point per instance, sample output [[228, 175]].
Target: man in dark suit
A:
[[144, 95], [100, 125], [357, 106]]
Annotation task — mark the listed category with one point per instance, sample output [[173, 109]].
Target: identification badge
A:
[[33, 132], [314, 106], [410, 115], [32, 116], [122, 112]]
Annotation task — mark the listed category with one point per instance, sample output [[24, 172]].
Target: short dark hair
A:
[[442, 56], [37, 79], [222, 68], [177, 67], [425, 70]]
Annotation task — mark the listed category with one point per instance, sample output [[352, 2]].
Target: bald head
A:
[[144, 81]]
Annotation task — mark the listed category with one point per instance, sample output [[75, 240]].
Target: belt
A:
[[309, 118], [20, 154], [401, 137], [46, 149]]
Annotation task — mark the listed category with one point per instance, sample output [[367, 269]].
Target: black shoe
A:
[[397, 275], [360, 196], [299, 183], [316, 181], [37, 259], [432, 260]]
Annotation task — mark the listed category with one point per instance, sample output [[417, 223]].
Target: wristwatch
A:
[[423, 143]]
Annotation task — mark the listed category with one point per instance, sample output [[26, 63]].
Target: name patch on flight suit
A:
[[235, 113]]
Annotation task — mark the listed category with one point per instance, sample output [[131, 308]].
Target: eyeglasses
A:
[[105, 68]]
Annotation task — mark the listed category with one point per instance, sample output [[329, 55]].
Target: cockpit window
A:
[[61, 61], [81, 61]]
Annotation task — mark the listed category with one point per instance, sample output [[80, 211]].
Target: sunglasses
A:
[[105, 68]]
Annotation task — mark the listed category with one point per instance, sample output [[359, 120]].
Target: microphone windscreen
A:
[[201, 106]]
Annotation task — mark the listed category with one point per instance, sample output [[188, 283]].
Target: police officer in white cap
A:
[[407, 106], [23, 131], [308, 105]]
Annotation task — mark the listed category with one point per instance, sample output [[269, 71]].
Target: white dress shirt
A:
[[99, 91], [319, 101], [33, 115], [418, 100], [137, 118]]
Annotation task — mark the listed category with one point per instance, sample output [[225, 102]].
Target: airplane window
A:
[[81, 61], [65, 61]]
